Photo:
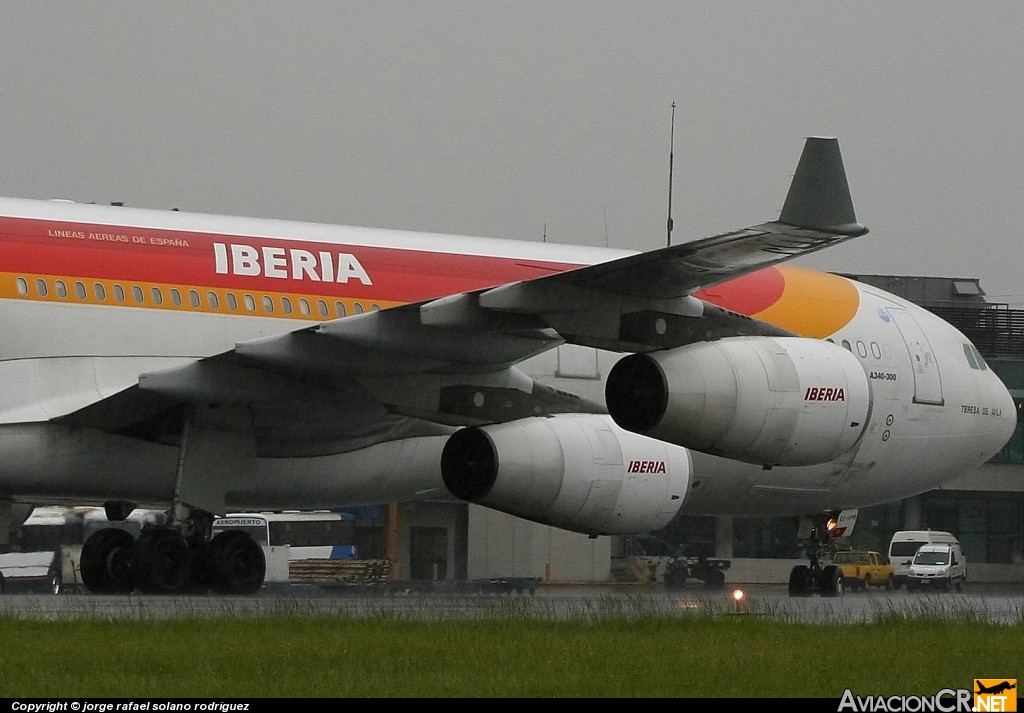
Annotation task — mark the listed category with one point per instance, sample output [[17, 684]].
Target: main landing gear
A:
[[172, 560], [816, 577]]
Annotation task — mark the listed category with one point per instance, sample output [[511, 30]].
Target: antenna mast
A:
[[671, 161]]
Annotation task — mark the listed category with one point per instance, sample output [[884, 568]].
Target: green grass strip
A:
[[644, 656]]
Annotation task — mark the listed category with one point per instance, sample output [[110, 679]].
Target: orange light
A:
[[738, 599]]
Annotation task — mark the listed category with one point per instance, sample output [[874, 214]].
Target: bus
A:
[[319, 534], [48, 546]]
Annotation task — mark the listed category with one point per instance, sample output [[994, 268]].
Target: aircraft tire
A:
[[106, 561], [715, 578], [832, 582], [198, 579], [800, 581], [236, 564], [161, 562]]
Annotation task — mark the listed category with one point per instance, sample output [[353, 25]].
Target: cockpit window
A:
[[969, 353], [974, 357], [980, 358]]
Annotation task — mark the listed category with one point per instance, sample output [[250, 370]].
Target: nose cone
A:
[[1002, 414]]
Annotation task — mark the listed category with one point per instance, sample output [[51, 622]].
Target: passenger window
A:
[[268, 304], [286, 305], [212, 300], [100, 291], [158, 296], [304, 306], [232, 301], [846, 345], [79, 290], [193, 298], [357, 308], [61, 289], [876, 351], [250, 303], [322, 307], [862, 349], [22, 285], [41, 287], [175, 297], [119, 293], [339, 308], [137, 294]]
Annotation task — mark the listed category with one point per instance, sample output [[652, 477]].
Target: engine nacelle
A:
[[762, 400], [578, 472]]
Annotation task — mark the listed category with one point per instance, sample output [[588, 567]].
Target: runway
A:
[[990, 603]]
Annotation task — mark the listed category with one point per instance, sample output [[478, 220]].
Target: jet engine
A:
[[761, 400], [578, 472]]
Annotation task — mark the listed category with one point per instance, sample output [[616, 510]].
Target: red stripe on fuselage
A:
[[183, 257]]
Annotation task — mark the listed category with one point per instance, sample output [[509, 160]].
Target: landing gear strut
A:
[[816, 577]]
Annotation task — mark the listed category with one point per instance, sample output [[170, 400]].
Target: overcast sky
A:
[[508, 118]]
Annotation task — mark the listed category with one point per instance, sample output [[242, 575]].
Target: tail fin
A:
[[819, 196]]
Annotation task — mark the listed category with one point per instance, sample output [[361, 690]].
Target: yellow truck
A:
[[863, 569]]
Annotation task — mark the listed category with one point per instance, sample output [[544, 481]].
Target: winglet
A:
[[819, 196]]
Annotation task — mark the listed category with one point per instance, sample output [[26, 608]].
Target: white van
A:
[[937, 566], [904, 546]]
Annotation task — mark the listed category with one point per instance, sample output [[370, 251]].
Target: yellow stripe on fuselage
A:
[[65, 290]]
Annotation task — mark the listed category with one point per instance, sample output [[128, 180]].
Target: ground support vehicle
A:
[[938, 566], [31, 572], [905, 544], [864, 569], [679, 570]]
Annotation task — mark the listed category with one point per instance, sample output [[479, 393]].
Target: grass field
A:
[[505, 655]]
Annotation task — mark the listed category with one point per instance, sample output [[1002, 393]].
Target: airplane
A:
[[208, 364], [998, 688]]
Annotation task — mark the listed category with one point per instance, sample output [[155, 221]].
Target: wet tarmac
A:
[[989, 603]]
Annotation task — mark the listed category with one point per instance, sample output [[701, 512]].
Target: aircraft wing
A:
[[818, 213], [420, 368], [644, 302]]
